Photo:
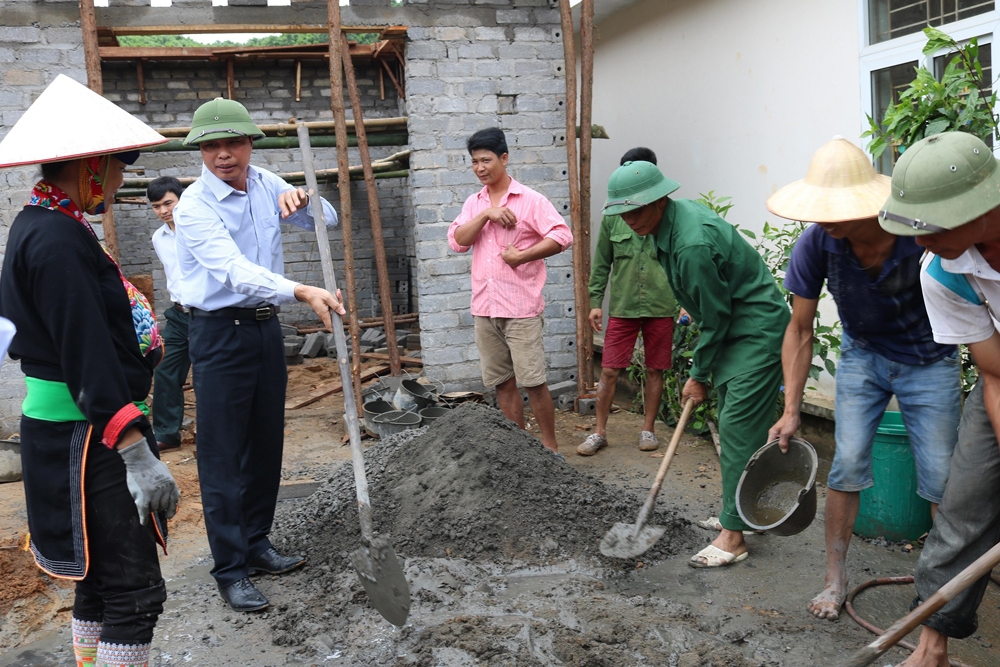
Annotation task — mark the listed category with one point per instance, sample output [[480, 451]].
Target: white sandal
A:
[[715, 557]]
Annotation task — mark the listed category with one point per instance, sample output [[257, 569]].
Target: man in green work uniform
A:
[[640, 299], [725, 285]]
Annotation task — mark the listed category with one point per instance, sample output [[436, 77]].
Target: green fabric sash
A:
[[51, 401]]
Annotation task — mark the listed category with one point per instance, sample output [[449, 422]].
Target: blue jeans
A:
[[929, 398]]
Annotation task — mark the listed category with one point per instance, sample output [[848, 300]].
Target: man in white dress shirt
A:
[[168, 395], [228, 226]]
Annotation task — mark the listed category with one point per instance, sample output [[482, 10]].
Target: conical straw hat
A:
[[840, 185], [68, 121]]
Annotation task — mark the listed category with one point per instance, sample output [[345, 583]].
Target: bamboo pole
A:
[[91, 55], [581, 298], [340, 118], [95, 81], [375, 213], [586, 121]]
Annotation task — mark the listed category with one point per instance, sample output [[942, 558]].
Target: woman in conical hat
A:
[[97, 494], [887, 346]]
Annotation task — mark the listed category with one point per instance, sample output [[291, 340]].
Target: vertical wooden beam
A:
[[381, 267], [381, 84], [140, 76], [580, 280], [92, 58], [586, 137], [230, 79], [344, 183], [91, 55], [298, 80]]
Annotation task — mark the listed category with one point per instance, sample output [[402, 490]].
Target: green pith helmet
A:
[[940, 183], [221, 119], [635, 184]]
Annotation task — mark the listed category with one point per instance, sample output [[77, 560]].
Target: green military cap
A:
[[635, 184], [940, 183], [221, 119]]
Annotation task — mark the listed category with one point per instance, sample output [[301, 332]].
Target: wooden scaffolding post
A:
[[340, 118], [385, 294], [586, 136], [92, 58], [581, 297]]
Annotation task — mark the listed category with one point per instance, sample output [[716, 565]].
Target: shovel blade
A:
[[623, 542], [383, 579]]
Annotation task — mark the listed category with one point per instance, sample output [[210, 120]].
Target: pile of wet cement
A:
[[473, 486]]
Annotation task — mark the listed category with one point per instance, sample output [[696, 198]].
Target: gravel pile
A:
[[473, 486]]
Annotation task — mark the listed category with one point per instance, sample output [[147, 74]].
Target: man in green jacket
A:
[[640, 299], [728, 290]]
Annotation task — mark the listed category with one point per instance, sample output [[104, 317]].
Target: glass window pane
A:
[[889, 19], [887, 84]]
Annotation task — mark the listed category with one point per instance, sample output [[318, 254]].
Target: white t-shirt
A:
[[958, 294], [165, 245]]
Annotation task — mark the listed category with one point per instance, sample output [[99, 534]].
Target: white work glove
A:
[[152, 486]]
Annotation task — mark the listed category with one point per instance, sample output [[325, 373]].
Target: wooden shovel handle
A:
[[976, 571], [647, 506]]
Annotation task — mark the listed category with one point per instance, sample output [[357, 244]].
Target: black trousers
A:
[[239, 383], [123, 588], [169, 377]]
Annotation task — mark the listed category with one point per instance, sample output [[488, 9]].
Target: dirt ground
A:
[[556, 608]]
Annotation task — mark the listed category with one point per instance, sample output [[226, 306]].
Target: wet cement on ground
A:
[[551, 600]]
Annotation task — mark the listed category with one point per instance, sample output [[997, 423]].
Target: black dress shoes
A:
[[271, 562], [243, 596]]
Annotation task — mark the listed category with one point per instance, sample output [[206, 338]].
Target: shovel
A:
[[979, 568], [376, 562], [626, 540]]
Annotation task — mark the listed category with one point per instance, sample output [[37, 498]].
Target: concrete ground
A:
[[756, 608]]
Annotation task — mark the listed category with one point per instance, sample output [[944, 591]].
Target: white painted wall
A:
[[732, 95]]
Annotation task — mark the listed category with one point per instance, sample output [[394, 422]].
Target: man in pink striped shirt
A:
[[511, 230]]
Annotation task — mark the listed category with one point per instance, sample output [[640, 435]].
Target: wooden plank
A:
[[210, 52], [381, 356], [332, 387], [389, 31]]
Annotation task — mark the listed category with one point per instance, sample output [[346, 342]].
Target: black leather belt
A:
[[261, 313], [183, 309]]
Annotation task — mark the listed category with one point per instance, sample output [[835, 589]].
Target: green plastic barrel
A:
[[891, 508]]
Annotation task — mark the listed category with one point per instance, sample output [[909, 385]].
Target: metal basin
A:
[[777, 492], [428, 415], [373, 409], [396, 421], [412, 395]]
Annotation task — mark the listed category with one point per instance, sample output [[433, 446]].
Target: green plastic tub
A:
[[892, 508]]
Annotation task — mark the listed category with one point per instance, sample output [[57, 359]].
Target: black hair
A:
[[490, 139], [160, 187], [639, 153], [51, 170]]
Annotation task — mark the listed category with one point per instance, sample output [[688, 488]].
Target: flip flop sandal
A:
[[715, 557]]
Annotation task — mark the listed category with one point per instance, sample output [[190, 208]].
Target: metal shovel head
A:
[[383, 579], [622, 542]]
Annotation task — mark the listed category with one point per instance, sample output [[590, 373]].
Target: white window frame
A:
[[873, 57]]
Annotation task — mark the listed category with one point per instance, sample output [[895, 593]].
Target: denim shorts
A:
[[929, 399]]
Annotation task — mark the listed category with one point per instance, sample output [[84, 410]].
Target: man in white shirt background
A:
[[228, 226], [168, 395]]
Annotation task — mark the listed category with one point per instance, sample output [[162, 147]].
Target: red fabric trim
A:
[[113, 430]]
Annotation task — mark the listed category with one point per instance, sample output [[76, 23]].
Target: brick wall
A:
[[499, 64]]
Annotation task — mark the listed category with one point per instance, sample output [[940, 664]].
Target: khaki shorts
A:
[[511, 347]]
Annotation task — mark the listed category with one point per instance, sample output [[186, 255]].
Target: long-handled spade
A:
[[376, 562], [628, 540]]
